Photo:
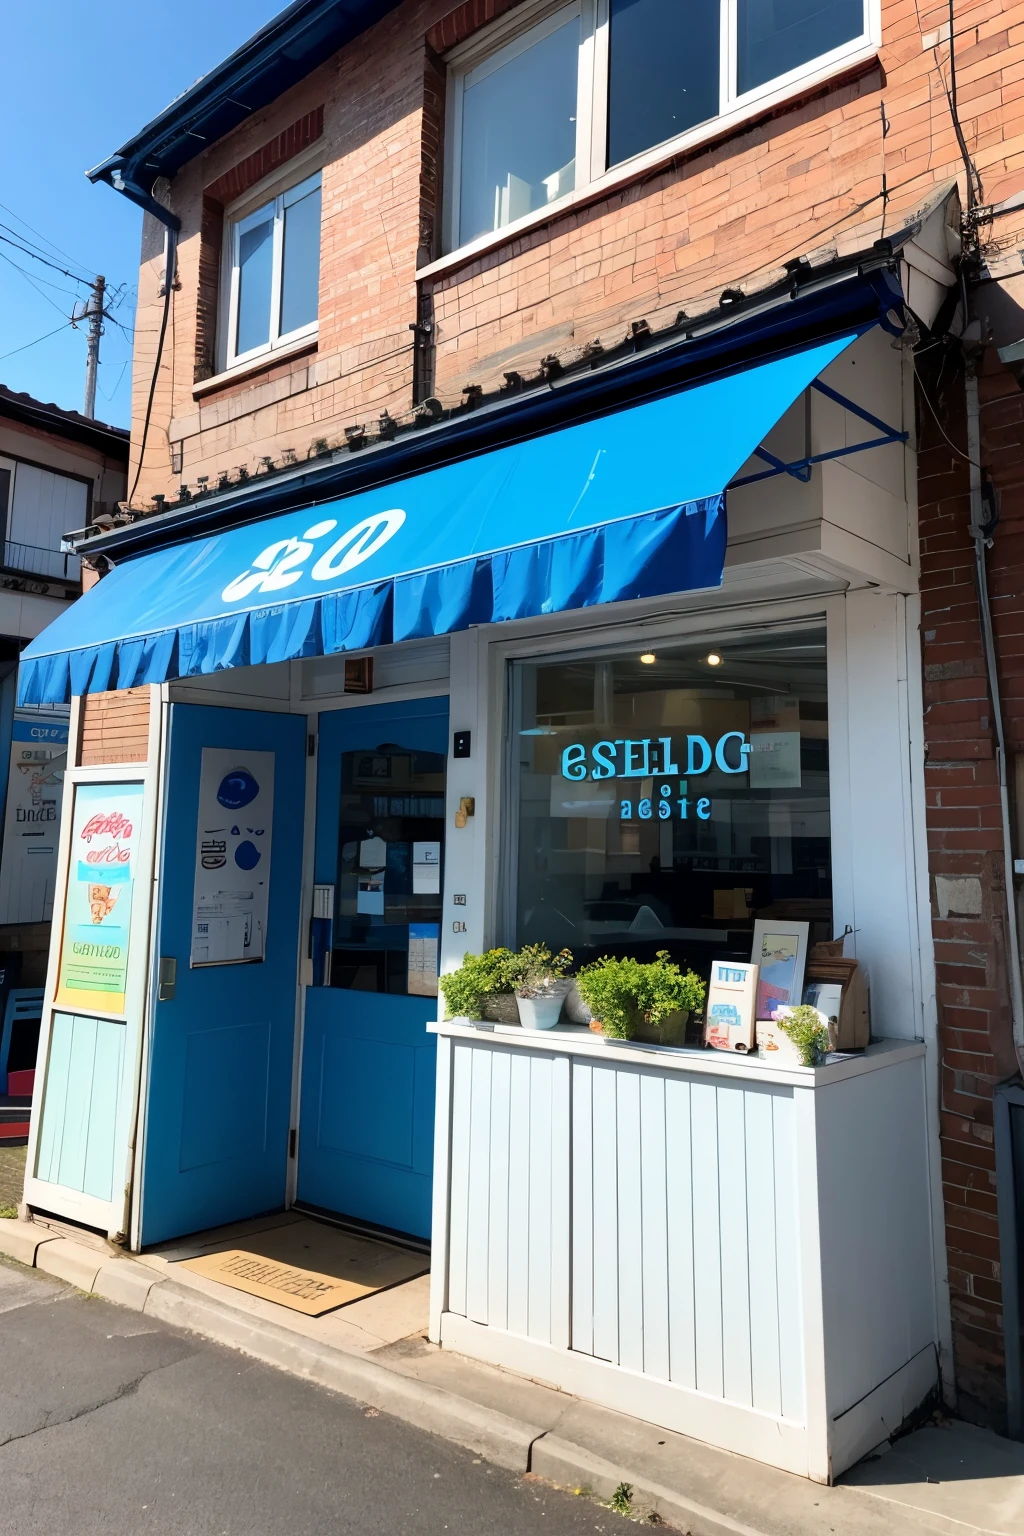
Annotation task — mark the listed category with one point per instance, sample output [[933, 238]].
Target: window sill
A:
[[854, 64], [249, 370]]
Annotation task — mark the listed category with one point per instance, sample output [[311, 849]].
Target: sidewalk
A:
[[952, 1479]]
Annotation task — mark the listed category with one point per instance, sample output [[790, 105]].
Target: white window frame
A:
[[241, 216], [528, 23]]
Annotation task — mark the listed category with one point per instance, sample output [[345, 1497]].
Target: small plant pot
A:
[[541, 1012], [576, 1010], [501, 1008], [671, 1030]]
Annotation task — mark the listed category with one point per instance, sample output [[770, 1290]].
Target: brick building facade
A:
[[823, 169]]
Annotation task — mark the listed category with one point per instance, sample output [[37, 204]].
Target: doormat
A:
[[308, 1290]]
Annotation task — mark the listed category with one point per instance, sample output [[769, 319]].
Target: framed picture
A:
[[780, 953]]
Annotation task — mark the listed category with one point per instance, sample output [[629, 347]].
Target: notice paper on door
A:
[[423, 943], [231, 895], [426, 869]]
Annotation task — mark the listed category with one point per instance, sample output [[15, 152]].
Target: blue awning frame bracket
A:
[[800, 469]]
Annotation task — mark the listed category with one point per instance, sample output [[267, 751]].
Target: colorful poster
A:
[[233, 842], [28, 870], [102, 865]]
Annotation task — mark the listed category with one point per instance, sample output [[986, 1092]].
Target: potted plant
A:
[[633, 1000], [482, 988], [805, 1027], [541, 984]]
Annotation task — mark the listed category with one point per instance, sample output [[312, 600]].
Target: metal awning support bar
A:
[[800, 469]]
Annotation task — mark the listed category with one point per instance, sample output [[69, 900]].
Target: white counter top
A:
[[578, 1040]]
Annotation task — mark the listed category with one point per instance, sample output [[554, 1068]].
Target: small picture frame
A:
[[729, 1016], [780, 953]]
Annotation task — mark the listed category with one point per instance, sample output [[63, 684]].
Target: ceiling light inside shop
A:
[[648, 658], [713, 659]]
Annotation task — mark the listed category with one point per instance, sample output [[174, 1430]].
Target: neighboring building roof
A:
[[274, 59], [113, 441]]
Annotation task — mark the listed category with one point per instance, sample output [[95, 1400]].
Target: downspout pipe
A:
[[980, 533], [124, 179]]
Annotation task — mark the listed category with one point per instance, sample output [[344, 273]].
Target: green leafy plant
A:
[[10, 1212], [622, 1499], [535, 969], [624, 994], [810, 1036], [479, 977]]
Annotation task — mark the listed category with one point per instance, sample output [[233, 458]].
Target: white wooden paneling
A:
[[676, 1232], [878, 1299], [44, 507], [508, 1242]]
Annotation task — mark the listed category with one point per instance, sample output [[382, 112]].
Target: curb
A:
[[559, 1461], [504, 1441], [495, 1436]]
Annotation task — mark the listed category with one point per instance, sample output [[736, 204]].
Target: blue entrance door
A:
[[221, 1052], [367, 1104]]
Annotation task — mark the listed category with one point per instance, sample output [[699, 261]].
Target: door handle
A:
[[166, 979]]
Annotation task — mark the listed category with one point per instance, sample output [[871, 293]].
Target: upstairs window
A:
[[541, 107], [274, 281]]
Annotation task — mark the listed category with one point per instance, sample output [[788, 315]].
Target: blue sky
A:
[[78, 81]]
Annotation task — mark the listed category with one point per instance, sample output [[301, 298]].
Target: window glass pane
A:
[[663, 71], [300, 275], [255, 273], [390, 876], [666, 805], [775, 36], [518, 135]]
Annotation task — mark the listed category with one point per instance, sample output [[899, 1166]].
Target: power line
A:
[[32, 283], [27, 251], [43, 238], [5, 355]]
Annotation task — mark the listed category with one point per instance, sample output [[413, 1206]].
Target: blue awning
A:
[[626, 506]]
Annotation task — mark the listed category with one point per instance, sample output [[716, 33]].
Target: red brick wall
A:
[[965, 837], [805, 178]]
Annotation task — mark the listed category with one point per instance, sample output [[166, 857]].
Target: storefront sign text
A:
[[652, 756]]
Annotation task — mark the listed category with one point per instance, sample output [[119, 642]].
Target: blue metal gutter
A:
[[281, 54]]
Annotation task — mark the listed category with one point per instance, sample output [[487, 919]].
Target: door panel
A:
[[216, 1136], [367, 1096]]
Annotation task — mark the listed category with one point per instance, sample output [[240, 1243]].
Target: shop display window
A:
[[667, 798], [390, 871]]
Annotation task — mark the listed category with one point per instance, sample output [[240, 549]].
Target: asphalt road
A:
[[112, 1423]]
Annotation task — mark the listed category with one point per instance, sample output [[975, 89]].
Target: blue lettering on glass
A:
[[704, 809], [574, 763], [664, 810], [693, 745], [665, 791], [652, 756], [604, 760], [744, 752], [643, 810], [625, 810]]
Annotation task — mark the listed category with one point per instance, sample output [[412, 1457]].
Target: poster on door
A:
[[102, 865], [28, 870], [233, 842]]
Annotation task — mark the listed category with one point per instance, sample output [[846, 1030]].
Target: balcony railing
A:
[[50, 564]]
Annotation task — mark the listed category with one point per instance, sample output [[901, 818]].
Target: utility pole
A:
[[94, 315]]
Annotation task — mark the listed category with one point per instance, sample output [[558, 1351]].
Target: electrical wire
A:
[[27, 251], [975, 194], [5, 355], [935, 416], [168, 291], [53, 247], [33, 284]]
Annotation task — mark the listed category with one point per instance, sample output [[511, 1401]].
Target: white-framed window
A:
[[554, 96], [272, 272]]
